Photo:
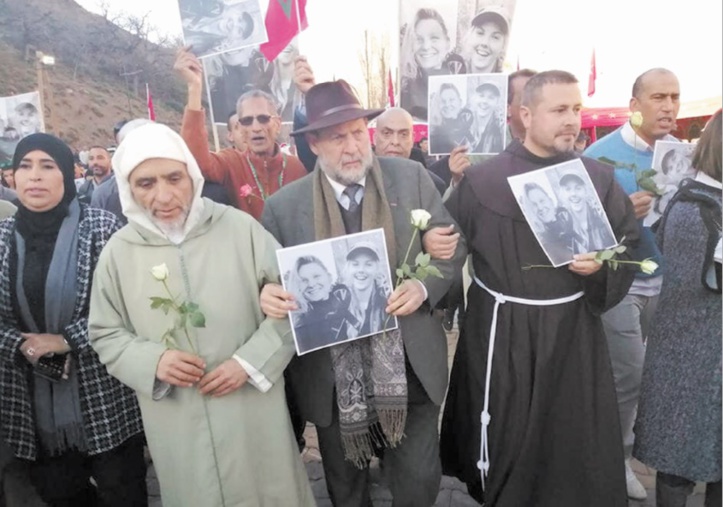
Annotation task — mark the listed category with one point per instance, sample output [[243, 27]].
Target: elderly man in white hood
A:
[[212, 397]]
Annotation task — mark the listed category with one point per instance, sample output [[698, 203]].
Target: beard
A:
[[343, 176], [173, 230]]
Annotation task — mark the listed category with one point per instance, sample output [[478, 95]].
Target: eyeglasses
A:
[[263, 119]]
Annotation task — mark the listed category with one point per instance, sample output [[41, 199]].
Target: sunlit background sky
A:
[[629, 36]]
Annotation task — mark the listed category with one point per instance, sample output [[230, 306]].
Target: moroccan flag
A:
[[593, 76], [390, 89], [283, 18], [149, 103]]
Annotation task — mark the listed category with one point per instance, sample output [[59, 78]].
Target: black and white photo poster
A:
[[442, 37], [229, 75], [216, 26], [672, 162], [341, 286], [468, 110], [20, 116], [563, 210]]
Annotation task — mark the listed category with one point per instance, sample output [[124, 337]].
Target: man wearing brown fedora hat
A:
[[343, 390]]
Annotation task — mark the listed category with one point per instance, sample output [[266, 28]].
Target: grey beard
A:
[[173, 231], [346, 178]]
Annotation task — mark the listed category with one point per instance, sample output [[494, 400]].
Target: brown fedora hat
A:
[[332, 103]]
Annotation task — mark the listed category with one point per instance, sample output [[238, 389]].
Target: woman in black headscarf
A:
[[59, 407]]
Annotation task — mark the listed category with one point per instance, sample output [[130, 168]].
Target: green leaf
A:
[[400, 273], [166, 306], [423, 259], [614, 265], [647, 173], [407, 270], [620, 249], [156, 302], [421, 273], [649, 185], [197, 319], [434, 271], [605, 255], [192, 307]]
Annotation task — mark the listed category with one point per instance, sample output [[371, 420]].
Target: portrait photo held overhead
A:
[[468, 111], [443, 38], [563, 211], [341, 286], [219, 26], [20, 116]]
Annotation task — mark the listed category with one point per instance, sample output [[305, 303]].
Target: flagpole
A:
[[298, 19]]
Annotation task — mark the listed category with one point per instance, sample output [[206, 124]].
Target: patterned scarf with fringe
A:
[[370, 374]]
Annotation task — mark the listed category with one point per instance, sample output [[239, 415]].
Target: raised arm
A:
[[193, 127]]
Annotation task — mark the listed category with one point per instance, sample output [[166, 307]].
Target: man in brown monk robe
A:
[[550, 435]]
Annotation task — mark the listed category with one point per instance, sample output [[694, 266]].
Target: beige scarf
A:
[[370, 374]]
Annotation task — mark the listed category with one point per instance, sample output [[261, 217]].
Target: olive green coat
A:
[[236, 450]]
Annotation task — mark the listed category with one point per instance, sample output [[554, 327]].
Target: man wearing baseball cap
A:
[[386, 389]]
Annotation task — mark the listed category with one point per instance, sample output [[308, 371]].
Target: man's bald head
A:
[[656, 96], [394, 135], [649, 76]]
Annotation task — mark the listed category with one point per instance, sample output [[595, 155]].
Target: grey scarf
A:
[[58, 417]]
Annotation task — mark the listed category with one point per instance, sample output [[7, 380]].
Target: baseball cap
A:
[[360, 247], [495, 15]]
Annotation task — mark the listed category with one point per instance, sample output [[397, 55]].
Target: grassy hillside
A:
[[85, 92]]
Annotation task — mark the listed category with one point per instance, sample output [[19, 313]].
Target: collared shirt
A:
[[633, 139], [341, 197]]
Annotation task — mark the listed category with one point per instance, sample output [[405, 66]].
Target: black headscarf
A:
[[39, 229], [45, 224]]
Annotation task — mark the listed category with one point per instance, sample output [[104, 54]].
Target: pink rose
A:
[[246, 191]]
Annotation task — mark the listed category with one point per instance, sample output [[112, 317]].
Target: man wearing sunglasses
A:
[[251, 175]]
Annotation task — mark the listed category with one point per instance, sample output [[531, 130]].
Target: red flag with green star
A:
[[282, 24]]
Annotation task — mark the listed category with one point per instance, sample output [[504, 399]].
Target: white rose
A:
[[648, 266], [160, 272], [420, 218]]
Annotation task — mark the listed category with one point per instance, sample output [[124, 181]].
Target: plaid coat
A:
[[110, 410]]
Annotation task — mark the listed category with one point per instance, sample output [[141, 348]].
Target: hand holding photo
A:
[[563, 210], [341, 286], [672, 163]]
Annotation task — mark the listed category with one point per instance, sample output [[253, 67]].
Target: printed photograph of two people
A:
[[341, 286]]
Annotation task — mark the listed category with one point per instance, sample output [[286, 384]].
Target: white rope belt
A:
[[484, 462]]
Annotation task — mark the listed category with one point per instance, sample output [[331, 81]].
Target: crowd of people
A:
[[144, 306]]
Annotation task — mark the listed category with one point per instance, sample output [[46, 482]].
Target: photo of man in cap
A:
[[386, 389]]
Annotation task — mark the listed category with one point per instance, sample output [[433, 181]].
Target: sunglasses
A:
[[263, 119]]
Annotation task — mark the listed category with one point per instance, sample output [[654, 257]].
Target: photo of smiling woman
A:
[[485, 44], [590, 226], [370, 288], [426, 51], [323, 317]]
